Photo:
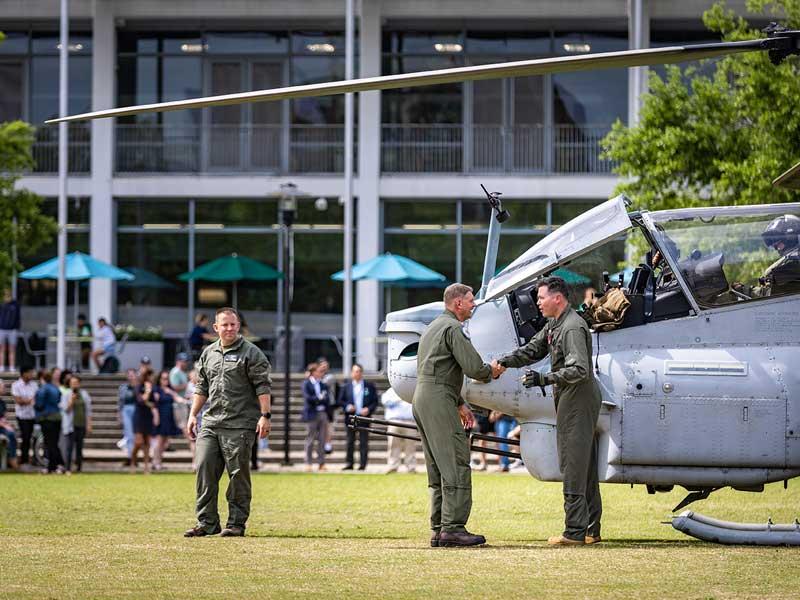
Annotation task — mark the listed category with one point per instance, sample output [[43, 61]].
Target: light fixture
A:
[[422, 227], [448, 48], [321, 204], [321, 47], [161, 226], [577, 48], [209, 226], [193, 48], [71, 47]]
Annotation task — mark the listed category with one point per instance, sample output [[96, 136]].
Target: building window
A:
[[29, 91], [538, 124], [41, 293], [302, 136]]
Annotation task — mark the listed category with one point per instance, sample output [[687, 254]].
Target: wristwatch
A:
[[267, 415]]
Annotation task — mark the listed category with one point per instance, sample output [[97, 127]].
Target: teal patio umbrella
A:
[[571, 277], [78, 267], [394, 270], [234, 268]]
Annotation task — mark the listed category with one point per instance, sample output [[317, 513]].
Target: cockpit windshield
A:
[[729, 255]]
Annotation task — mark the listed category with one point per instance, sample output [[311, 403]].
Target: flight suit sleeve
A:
[[533, 351], [258, 369], [577, 365], [467, 357], [201, 388]]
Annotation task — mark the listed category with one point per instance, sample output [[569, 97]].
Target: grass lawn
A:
[[335, 535]]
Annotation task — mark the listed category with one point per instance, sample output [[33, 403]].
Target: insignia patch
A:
[[231, 357]]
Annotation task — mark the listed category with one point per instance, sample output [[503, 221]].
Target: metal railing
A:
[[229, 148], [493, 149], [45, 149], [319, 149]]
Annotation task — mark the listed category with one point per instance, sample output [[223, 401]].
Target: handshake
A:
[[497, 369], [530, 379]]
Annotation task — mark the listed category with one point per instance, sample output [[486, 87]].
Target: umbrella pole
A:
[[235, 295], [77, 295]]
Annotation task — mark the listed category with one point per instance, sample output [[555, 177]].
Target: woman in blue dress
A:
[[165, 398], [145, 418]]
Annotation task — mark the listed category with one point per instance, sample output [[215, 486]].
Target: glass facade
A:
[[29, 91], [166, 236], [42, 292], [526, 124], [303, 135]]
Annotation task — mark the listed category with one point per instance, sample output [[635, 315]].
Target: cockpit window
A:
[[734, 255]]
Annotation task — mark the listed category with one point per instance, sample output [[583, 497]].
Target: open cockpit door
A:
[[582, 234]]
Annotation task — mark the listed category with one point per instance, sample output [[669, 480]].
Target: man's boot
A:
[[449, 539]]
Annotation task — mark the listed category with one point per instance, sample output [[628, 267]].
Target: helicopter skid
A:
[[713, 530]]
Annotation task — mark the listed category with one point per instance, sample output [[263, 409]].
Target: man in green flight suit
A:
[[233, 377], [567, 339], [445, 355]]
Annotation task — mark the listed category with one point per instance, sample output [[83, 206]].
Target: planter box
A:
[[134, 351]]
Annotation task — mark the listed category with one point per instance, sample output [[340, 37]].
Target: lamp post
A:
[[287, 208]]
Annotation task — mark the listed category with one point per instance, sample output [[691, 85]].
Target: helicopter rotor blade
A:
[[602, 60]]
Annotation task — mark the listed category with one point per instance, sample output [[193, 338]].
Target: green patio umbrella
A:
[[234, 268]]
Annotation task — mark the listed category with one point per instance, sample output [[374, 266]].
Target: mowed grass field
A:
[[365, 536]]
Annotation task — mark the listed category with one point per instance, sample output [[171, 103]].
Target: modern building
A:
[[169, 191]]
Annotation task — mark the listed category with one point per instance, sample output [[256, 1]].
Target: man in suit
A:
[[316, 400], [357, 397]]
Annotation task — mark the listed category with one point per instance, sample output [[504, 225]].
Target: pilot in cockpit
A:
[[783, 276]]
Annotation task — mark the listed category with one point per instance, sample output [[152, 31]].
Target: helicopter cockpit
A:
[[694, 259], [729, 255]]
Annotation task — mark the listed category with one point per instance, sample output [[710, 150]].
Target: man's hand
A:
[[497, 369], [364, 412], [351, 408], [191, 427], [263, 427], [533, 378], [467, 418]]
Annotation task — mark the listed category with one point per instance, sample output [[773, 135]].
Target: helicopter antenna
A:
[[497, 217]]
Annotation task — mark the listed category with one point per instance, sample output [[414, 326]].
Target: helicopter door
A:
[[702, 431]]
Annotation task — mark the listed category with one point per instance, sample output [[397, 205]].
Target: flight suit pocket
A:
[[461, 444]]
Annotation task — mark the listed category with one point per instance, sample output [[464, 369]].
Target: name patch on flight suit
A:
[[231, 358]]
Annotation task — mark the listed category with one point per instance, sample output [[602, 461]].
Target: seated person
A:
[[105, 342], [8, 437], [783, 276]]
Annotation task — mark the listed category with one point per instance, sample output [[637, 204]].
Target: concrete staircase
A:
[[100, 448]]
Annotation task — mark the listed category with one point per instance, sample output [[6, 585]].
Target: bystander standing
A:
[[76, 421], [48, 414], [316, 399], [398, 410], [9, 331], [127, 410], [358, 397], [24, 392]]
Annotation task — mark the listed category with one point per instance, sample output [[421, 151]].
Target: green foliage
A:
[[724, 137], [32, 229]]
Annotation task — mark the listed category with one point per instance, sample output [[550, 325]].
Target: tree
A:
[[721, 138], [22, 224]]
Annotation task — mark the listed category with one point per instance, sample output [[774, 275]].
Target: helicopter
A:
[[700, 382]]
